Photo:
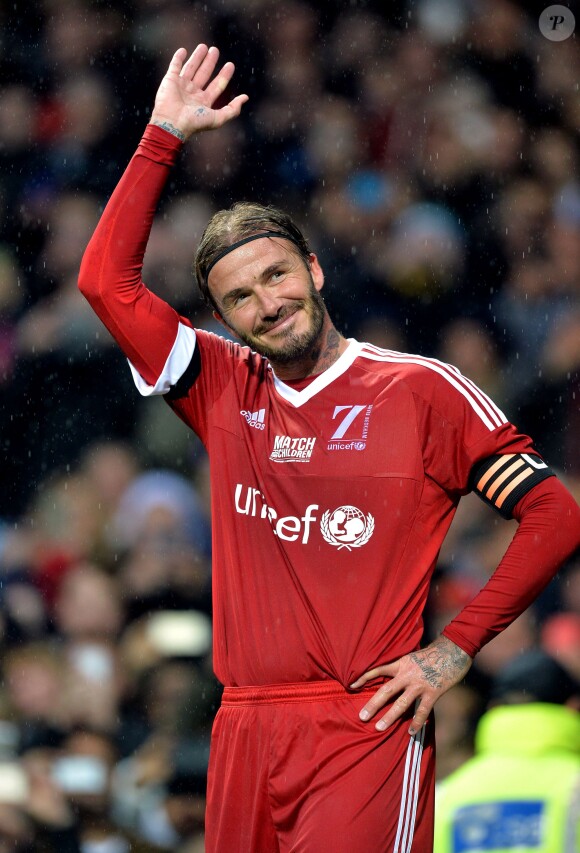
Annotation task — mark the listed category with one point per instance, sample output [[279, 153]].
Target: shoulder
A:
[[434, 383], [230, 350], [420, 372]]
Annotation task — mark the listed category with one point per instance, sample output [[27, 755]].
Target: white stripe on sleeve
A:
[[481, 404], [177, 363]]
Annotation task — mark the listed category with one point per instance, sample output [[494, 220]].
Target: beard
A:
[[292, 346]]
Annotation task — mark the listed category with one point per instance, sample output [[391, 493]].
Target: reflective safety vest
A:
[[520, 793]]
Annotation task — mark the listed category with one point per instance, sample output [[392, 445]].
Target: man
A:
[[336, 468], [521, 790]]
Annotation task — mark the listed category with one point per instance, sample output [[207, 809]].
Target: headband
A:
[[231, 248]]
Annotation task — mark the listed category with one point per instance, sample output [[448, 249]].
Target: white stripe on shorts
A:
[[410, 794]]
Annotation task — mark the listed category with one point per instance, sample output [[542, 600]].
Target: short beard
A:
[[295, 347]]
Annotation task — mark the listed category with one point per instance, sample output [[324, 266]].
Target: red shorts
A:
[[293, 768]]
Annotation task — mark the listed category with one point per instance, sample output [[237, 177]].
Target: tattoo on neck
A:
[[327, 356], [332, 343], [170, 129]]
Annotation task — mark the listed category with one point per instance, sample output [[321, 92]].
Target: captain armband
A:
[[502, 480]]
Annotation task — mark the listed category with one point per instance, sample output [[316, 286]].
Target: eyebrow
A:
[[231, 295]]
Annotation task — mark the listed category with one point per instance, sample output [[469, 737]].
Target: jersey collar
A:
[[322, 381]]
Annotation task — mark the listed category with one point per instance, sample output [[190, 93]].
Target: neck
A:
[[327, 349]]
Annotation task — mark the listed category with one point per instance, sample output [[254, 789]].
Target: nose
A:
[[268, 304]]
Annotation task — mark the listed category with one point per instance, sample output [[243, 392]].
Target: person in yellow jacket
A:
[[521, 790]]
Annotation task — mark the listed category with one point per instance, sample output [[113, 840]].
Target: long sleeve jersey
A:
[[330, 502]]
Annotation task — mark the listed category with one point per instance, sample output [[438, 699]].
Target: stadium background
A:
[[430, 152]]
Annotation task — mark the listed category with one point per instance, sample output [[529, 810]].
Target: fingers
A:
[[202, 66], [381, 697], [194, 62], [220, 82], [230, 110], [198, 71], [398, 709], [176, 62], [377, 672], [377, 701], [422, 712]]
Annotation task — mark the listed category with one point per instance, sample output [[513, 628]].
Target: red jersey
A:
[[329, 502]]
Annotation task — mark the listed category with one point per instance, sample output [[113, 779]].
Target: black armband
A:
[[502, 480], [186, 380]]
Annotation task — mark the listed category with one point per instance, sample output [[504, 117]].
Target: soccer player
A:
[[336, 469]]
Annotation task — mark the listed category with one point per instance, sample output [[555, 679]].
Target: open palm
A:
[[187, 94]]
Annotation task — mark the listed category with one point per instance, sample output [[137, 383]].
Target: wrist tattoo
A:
[[442, 663], [170, 129]]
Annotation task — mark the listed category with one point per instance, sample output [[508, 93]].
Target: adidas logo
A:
[[255, 419]]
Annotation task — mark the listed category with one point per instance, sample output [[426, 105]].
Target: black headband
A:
[[231, 248]]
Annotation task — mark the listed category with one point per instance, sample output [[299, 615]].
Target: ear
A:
[[316, 272]]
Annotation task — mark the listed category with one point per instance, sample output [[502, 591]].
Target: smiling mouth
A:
[[279, 325]]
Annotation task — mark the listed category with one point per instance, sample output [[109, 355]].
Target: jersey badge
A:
[[347, 527], [352, 427], [254, 419], [289, 449]]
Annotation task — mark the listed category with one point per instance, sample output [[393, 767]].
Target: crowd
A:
[[430, 151]]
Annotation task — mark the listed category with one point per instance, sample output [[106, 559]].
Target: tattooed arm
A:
[[423, 675]]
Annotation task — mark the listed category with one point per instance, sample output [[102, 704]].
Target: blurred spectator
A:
[[83, 772], [520, 789], [34, 814], [161, 791], [467, 344], [561, 638], [456, 716], [35, 676]]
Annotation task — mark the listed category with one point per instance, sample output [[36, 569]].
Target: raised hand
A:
[[185, 98], [424, 675]]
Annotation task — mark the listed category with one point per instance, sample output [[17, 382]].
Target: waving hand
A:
[[185, 100]]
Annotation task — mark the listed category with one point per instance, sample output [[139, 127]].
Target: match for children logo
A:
[[289, 449]]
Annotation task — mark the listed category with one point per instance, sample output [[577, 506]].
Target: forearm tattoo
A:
[[442, 663], [170, 129]]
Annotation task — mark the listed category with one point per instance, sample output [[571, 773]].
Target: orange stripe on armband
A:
[[511, 469], [511, 486], [491, 471]]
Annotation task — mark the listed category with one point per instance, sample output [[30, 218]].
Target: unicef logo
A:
[[347, 527]]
